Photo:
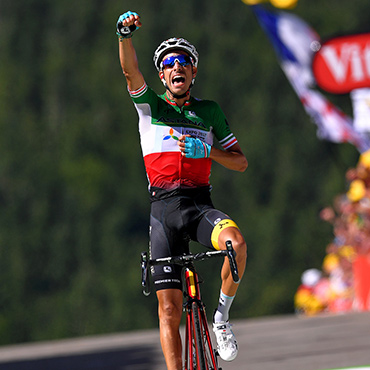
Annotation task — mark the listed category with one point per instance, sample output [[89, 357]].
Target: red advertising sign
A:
[[343, 64]]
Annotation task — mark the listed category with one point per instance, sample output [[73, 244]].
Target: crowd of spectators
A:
[[343, 284]]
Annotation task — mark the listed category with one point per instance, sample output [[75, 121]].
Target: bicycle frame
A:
[[199, 352]]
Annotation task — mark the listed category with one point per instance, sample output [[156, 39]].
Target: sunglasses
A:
[[183, 60]]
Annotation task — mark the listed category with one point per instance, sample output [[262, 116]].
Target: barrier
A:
[[361, 277]]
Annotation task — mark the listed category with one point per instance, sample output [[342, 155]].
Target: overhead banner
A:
[[283, 4], [361, 109], [343, 64], [295, 42]]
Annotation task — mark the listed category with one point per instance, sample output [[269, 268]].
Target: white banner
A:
[[361, 109]]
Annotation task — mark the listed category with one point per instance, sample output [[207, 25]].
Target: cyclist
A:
[[176, 133]]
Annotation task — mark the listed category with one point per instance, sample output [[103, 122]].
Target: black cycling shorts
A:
[[177, 217]]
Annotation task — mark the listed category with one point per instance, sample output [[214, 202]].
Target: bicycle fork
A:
[[199, 353]]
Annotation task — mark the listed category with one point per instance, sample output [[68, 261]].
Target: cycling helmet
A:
[[174, 44]]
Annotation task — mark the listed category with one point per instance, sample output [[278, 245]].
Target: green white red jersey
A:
[[162, 122]]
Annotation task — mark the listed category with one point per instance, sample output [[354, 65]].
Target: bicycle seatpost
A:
[[233, 266]]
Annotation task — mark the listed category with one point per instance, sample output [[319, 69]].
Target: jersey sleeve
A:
[[143, 95], [221, 128]]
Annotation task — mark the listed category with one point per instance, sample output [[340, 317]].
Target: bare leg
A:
[[170, 311], [226, 342]]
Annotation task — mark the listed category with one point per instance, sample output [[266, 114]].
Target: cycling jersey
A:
[[162, 122]]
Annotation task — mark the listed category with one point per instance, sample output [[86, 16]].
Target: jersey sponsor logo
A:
[[167, 269], [185, 121], [221, 225], [216, 221], [165, 281], [196, 133], [171, 135], [202, 135]]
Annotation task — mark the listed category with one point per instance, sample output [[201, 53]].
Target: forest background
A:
[[73, 191]]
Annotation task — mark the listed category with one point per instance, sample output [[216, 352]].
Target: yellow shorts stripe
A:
[[222, 225]]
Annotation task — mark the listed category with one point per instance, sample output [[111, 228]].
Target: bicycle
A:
[[199, 352]]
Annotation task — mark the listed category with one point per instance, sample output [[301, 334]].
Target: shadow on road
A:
[[133, 358]]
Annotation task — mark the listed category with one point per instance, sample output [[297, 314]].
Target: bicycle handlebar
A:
[[233, 266], [183, 260], [186, 258], [144, 273]]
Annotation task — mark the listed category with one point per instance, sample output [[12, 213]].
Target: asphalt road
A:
[[272, 343]]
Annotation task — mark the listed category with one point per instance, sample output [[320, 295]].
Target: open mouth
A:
[[178, 80]]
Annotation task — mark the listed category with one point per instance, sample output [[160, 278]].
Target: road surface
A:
[[269, 343]]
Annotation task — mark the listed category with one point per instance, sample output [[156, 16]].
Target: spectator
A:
[[344, 284]]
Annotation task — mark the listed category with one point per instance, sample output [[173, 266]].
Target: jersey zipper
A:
[[180, 162]]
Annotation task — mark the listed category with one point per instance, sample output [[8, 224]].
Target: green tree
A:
[[73, 193]]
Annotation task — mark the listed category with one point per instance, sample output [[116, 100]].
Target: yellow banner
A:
[[282, 4]]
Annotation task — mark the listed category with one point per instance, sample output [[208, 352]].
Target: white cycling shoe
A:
[[226, 343]]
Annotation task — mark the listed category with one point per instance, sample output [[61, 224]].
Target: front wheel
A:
[[198, 344], [204, 357]]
